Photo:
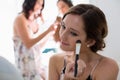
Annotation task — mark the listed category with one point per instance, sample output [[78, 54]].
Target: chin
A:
[[65, 48]]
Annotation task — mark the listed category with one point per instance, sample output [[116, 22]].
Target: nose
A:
[[63, 35]]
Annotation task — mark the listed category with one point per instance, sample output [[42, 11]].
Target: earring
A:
[[88, 45]]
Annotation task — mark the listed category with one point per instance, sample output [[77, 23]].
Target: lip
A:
[[64, 43]]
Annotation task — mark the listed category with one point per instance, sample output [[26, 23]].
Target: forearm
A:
[[32, 41]]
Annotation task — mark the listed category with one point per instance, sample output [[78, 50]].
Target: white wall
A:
[[7, 15], [111, 8]]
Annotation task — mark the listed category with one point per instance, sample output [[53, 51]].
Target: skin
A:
[[73, 30], [63, 7], [22, 26]]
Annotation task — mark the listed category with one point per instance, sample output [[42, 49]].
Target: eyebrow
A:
[[74, 30], [62, 22]]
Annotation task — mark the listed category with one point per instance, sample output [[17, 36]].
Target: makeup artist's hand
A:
[[41, 17], [69, 72]]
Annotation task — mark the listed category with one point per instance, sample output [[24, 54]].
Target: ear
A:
[[90, 42]]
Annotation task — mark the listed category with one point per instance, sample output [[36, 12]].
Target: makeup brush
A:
[[77, 51]]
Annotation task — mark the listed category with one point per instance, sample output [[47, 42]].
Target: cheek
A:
[[63, 10], [60, 32], [37, 7], [72, 45]]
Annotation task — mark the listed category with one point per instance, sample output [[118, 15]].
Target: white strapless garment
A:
[[27, 60]]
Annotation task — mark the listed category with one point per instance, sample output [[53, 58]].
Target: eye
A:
[[62, 25], [73, 33]]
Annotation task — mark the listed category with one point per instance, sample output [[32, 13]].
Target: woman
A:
[[63, 6], [87, 23], [26, 45]]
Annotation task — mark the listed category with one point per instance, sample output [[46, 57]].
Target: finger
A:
[[70, 67], [81, 63], [81, 67]]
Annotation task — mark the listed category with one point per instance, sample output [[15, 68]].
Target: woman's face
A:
[[38, 6], [72, 29], [63, 7]]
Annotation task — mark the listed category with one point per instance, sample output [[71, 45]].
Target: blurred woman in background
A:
[[26, 45], [63, 6]]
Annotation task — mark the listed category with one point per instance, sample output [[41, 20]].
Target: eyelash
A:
[[63, 26], [72, 33]]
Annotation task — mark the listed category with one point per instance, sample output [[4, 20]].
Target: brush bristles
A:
[[78, 45]]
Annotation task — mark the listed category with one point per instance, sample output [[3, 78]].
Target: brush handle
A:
[[76, 65]]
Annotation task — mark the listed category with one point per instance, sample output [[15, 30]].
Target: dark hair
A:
[[68, 2], [29, 5], [94, 21]]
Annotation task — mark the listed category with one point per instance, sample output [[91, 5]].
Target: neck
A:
[[89, 57], [31, 18]]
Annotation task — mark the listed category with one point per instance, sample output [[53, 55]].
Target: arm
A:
[[107, 72], [53, 74], [21, 26]]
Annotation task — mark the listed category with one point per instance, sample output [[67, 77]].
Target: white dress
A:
[[28, 60]]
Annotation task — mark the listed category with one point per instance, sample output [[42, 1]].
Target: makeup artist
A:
[[87, 23], [26, 39]]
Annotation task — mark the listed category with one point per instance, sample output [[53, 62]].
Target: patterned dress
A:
[[27, 60]]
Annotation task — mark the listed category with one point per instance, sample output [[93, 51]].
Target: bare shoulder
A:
[[57, 57], [107, 69], [20, 18], [109, 62], [19, 24], [56, 62]]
